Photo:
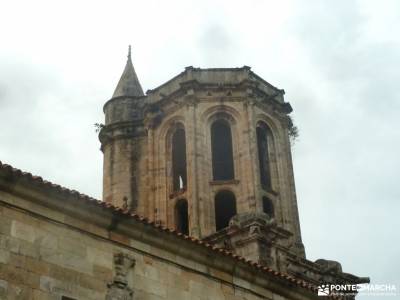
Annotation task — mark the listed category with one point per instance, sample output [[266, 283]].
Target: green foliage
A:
[[98, 127], [293, 131]]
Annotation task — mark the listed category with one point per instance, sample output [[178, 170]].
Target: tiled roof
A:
[[39, 180]]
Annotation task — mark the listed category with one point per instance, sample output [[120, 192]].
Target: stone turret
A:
[[122, 140]]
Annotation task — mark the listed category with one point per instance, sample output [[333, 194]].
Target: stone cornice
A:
[[312, 267], [121, 130], [239, 92], [190, 73], [122, 98]]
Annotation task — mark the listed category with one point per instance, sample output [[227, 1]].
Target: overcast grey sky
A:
[[338, 62]]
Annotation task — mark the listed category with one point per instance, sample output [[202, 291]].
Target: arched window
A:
[[181, 216], [221, 147], [268, 207], [179, 177], [263, 135], [225, 209]]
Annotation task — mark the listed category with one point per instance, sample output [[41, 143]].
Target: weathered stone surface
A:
[[22, 231], [5, 225], [55, 242], [4, 256], [119, 288], [62, 260], [3, 289], [137, 167]]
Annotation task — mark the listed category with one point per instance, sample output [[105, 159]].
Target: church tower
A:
[[208, 154], [208, 145]]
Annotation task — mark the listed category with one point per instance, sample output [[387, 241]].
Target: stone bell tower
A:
[[208, 145], [208, 153]]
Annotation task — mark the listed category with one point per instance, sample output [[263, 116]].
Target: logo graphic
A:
[[323, 290], [353, 289]]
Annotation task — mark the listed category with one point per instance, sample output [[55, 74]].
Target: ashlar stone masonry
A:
[[199, 202]]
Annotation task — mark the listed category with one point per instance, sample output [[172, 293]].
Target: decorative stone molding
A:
[[119, 289], [251, 218], [329, 266]]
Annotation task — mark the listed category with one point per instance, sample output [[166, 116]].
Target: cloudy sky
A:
[[338, 62]]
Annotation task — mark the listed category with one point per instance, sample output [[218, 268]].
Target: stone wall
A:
[[53, 244]]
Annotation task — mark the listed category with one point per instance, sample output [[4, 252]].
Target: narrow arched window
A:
[[221, 147], [263, 134], [181, 216], [268, 207], [179, 177], [225, 208]]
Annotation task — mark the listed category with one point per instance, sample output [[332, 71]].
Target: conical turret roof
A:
[[129, 84]]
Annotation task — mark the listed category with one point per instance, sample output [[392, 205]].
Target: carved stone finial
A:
[[118, 289], [123, 263], [243, 219], [129, 52], [329, 265]]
